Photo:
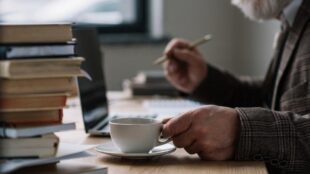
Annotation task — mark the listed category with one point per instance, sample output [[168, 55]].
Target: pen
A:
[[193, 45]]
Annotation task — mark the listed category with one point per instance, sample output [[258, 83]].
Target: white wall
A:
[[255, 46], [240, 46]]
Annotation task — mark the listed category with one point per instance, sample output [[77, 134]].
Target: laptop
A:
[[94, 101], [92, 92]]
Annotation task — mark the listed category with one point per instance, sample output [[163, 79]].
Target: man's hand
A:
[[209, 131], [186, 68]]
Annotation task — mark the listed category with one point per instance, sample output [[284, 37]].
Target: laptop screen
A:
[[93, 93]]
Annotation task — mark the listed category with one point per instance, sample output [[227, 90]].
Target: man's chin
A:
[[261, 10]]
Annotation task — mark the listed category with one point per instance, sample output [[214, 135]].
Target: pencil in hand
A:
[[193, 45]]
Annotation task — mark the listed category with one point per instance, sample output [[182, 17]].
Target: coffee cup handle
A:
[[161, 141]]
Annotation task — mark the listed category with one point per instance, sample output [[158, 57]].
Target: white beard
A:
[[261, 9]]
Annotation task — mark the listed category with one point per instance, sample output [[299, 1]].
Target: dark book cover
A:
[[25, 51]]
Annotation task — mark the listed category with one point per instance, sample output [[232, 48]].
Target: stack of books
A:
[[38, 67]]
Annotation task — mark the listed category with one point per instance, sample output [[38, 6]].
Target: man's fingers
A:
[[184, 139], [174, 44], [185, 55], [174, 73], [220, 155], [171, 66], [164, 121], [195, 147], [177, 125]]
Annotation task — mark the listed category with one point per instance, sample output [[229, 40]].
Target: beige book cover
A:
[[35, 33], [36, 86], [40, 68]]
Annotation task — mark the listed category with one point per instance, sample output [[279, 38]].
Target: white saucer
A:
[[111, 149]]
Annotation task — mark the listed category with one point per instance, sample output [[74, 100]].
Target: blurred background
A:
[[133, 33]]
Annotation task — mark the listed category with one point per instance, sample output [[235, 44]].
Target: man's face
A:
[[261, 9]]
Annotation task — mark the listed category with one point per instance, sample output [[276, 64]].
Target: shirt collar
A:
[[291, 10]]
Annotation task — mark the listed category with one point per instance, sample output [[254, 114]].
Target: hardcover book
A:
[[15, 132], [31, 118], [35, 33], [32, 102], [36, 51], [35, 147], [40, 68], [36, 86]]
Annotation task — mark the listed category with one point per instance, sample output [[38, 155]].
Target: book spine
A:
[[33, 122], [34, 51], [3, 52], [68, 56], [3, 129]]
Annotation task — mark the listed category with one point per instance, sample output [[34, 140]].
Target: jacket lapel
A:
[[290, 46]]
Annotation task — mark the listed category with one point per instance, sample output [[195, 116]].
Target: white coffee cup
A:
[[136, 135]]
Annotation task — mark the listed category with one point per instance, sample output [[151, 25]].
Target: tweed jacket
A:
[[274, 112]]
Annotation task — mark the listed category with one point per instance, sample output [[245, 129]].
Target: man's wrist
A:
[[237, 133], [201, 84]]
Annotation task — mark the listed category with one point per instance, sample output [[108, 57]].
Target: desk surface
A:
[[178, 162]]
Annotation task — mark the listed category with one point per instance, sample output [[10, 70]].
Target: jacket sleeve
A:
[[222, 88], [281, 139]]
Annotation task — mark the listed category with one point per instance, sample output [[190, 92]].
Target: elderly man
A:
[[265, 120]]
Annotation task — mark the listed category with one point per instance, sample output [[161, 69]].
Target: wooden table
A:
[[178, 162]]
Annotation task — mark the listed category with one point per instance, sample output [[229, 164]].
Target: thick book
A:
[[11, 132], [40, 68], [150, 77], [32, 102], [36, 51], [34, 147], [138, 89], [36, 86], [31, 118], [35, 33]]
